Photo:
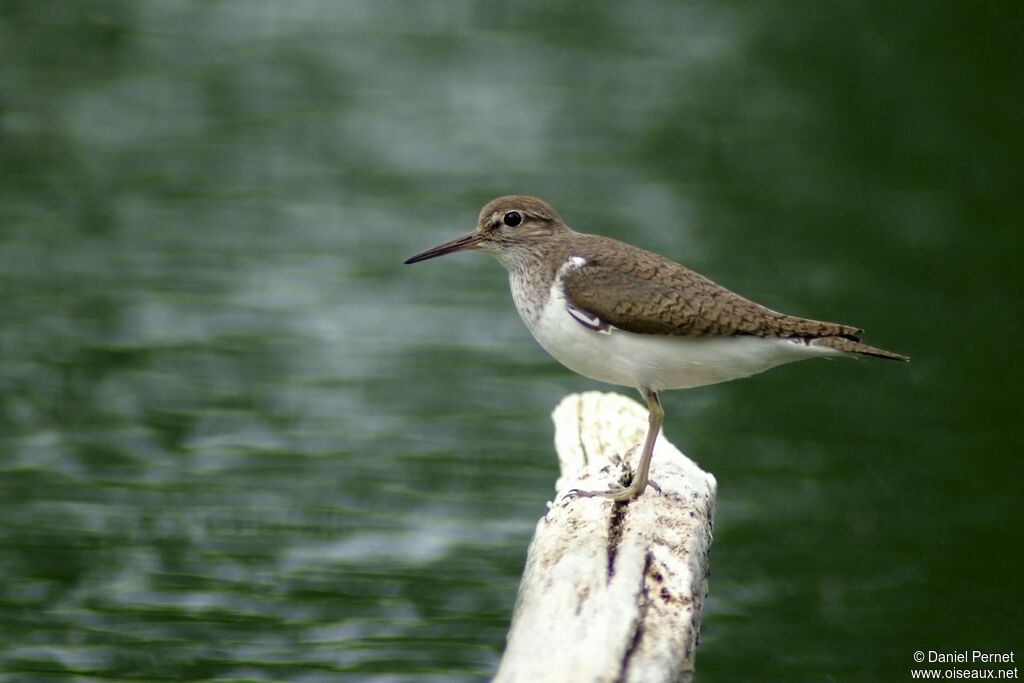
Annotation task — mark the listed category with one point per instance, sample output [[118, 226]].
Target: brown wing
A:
[[639, 291]]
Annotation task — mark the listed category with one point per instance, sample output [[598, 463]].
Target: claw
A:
[[619, 494]]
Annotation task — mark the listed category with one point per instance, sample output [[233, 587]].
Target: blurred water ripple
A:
[[239, 441]]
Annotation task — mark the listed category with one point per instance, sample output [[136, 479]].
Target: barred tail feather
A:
[[854, 346]]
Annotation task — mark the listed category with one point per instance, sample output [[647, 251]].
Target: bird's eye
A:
[[512, 219]]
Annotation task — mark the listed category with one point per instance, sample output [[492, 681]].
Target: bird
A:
[[622, 315]]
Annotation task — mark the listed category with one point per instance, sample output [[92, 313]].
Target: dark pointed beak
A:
[[467, 241]]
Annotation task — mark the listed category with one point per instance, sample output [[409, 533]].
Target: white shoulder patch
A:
[[573, 263], [585, 318]]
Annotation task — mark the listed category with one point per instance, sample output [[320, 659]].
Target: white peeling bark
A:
[[613, 592]]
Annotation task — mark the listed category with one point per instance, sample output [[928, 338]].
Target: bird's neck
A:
[[531, 272]]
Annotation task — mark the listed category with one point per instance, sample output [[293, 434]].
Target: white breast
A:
[[656, 362]]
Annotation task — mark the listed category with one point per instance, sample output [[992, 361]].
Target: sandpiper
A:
[[622, 315]]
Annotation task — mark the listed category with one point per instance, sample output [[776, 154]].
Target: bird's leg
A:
[[641, 478]]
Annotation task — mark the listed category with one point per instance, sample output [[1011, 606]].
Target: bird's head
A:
[[512, 228]]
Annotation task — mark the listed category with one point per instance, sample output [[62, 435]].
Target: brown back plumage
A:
[[639, 291]]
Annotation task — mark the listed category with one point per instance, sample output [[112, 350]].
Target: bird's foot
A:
[[620, 494]]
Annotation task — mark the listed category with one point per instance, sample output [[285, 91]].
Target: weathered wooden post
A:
[[611, 591]]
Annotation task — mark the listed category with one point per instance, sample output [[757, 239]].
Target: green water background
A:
[[240, 441]]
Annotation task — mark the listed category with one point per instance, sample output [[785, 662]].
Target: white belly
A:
[[657, 362]]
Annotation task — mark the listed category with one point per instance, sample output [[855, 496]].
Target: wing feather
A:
[[639, 291]]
